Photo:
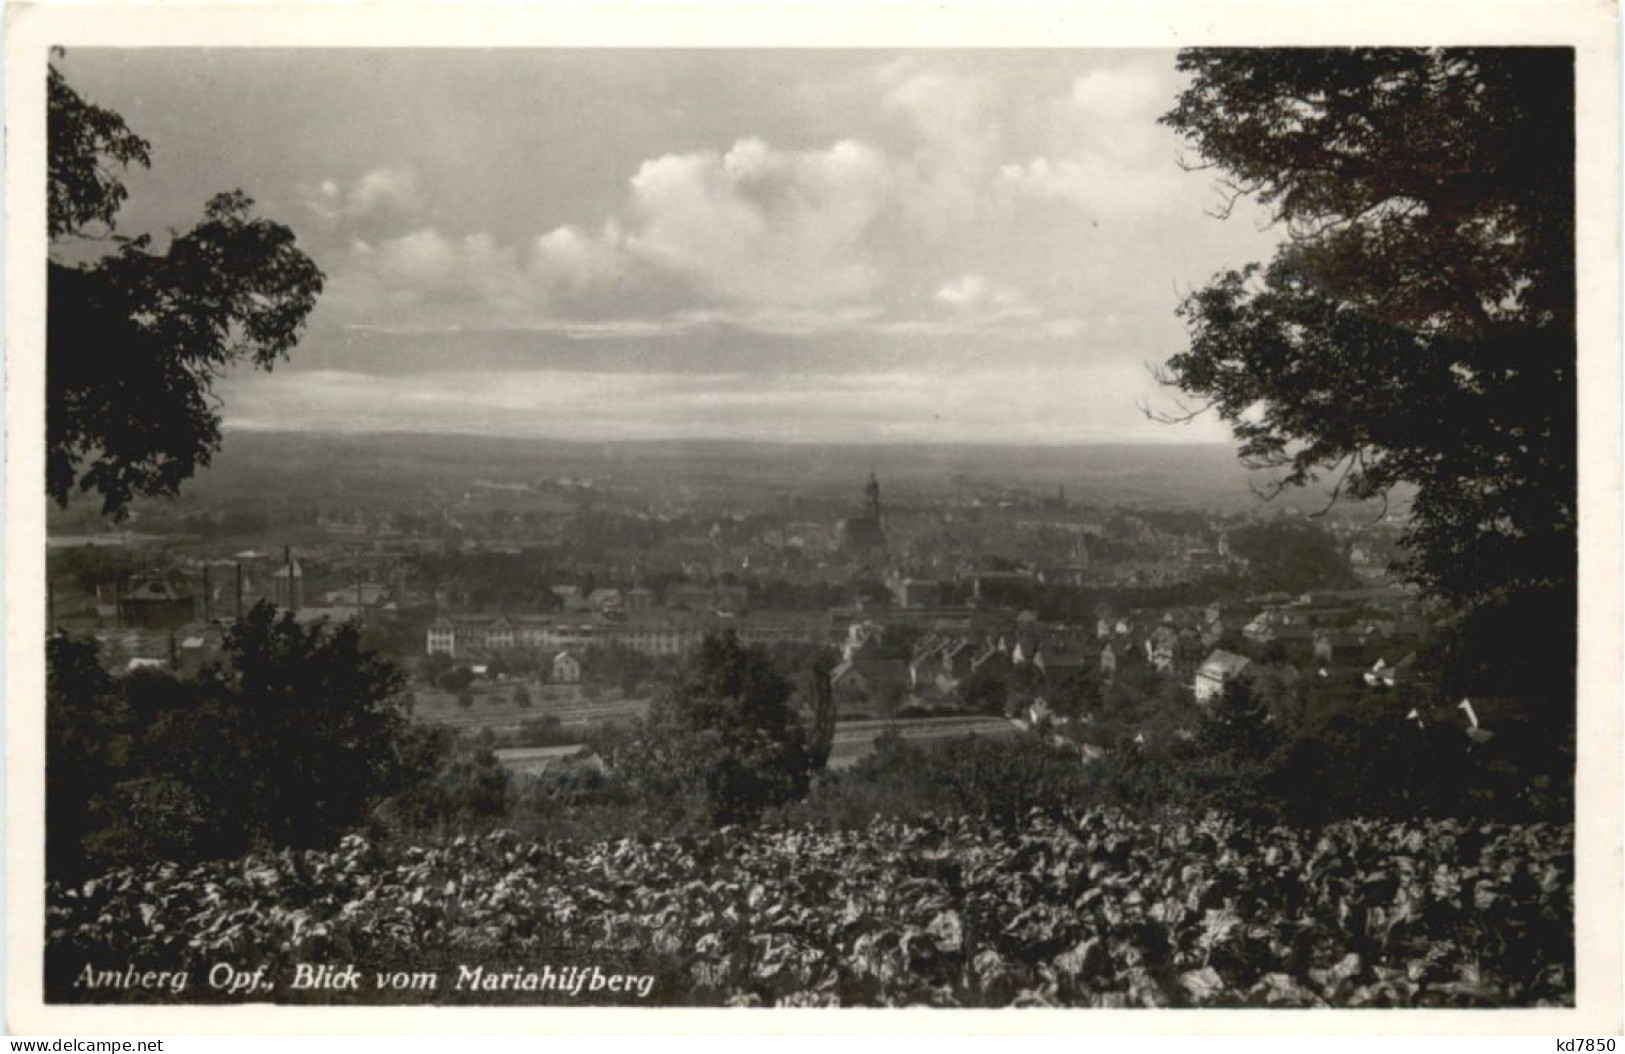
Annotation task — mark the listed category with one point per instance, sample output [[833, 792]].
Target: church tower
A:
[[865, 532]]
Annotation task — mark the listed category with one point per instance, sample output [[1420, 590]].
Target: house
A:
[[565, 669], [940, 662], [1217, 670], [1058, 660], [1159, 647], [1280, 626], [917, 593], [605, 599], [1174, 651], [360, 594], [155, 604], [865, 683], [1108, 659], [1344, 648], [700, 596]]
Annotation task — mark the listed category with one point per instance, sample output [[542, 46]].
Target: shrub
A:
[[291, 743], [725, 733]]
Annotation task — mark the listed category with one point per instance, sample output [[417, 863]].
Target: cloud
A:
[[390, 192], [1119, 106], [1000, 405], [972, 291], [956, 142], [961, 202], [425, 273], [973, 302], [1104, 187], [388, 189], [763, 226], [568, 256]]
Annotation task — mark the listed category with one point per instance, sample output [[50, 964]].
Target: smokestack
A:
[[206, 598], [118, 605], [238, 565], [287, 563]]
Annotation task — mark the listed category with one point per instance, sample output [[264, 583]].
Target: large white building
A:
[[1217, 670], [656, 635]]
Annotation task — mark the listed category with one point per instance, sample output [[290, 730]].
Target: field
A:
[[1084, 908], [855, 739], [495, 709]]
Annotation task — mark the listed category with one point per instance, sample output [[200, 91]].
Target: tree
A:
[[136, 338], [1417, 327], [299, 736], [727, 731], [456, 679], [290, 744], [87, 745], [1292, 557], [1232, 762], [1076, 694]]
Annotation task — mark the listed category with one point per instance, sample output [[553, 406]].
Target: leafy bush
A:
[[468, 791], [1085, 907], [291, 743], [455, 679], [725, 733]]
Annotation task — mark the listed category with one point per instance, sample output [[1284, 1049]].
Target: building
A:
[[1217, 670], [1058, 659], [565, 669], [917, 593], [442, 637], [866, 532], [155, 604], [701, 596], [870, 684], [288, 585]]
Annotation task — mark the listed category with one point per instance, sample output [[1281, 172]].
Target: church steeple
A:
[[871, 492]]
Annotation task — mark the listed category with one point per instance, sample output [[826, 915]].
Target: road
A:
[[855, 739]]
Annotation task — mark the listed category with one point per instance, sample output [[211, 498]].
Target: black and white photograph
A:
[[1050, 527]]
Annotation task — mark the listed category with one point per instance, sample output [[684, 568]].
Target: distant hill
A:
[[338, 470]]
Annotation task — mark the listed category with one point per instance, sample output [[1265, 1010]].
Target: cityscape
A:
[[811, 528]]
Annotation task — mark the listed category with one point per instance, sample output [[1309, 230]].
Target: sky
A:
[[825, 246]]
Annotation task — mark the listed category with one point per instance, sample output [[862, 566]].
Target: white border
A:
[[1591, 27]]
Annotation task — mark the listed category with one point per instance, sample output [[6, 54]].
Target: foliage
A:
[[135, 340], [1291, 557], [88, 732], [81, 139], [987, 689], [1083, 907], [1418, 327], [615, 664], [1230, 762], [455, 679], [997, 779], [725, 732], [468, 788], [291, 743]]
